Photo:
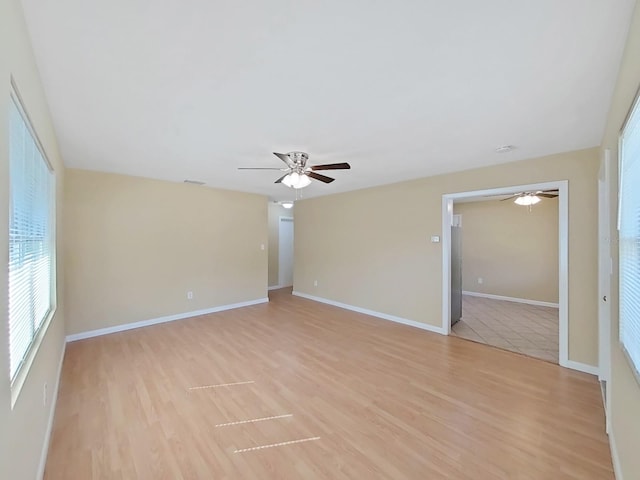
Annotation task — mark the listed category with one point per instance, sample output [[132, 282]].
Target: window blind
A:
[[30, 238], [629, 226]]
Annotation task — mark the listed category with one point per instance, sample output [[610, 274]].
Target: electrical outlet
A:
[[262, 246], [189, 295], [480, 280], [44, 394], [315, 283]]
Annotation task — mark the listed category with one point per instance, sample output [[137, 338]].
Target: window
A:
[[629, 226], [31, 238]]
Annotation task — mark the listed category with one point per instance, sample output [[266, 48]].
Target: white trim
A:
[[582, 367], [447, 222], [563, 255], [511, 299], [154, 321], [605, 391], [52, 412], [384, 316], [277, 287], [605, 271], [615, 459], [605, 267], [563, 273]]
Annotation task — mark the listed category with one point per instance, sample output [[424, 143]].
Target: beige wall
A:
[[513, 249], [624, 388], [139, 245], [23, 429], [275, 212], [358, 247], [371, 249]]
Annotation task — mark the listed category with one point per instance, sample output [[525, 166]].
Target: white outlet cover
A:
[[435, 238]]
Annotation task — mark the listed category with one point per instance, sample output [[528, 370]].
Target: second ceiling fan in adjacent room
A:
[[531, 198]]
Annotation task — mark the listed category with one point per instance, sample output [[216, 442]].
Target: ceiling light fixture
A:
[[296, 180], [527, 200], [287, 204]]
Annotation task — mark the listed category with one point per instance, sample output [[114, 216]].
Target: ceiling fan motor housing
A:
[[298, 158]]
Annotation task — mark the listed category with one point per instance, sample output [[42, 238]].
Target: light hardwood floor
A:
[[369, 399]]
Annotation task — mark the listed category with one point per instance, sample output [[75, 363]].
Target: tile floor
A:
[[518, 327]]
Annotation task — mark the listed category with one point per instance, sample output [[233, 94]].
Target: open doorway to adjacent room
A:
[[505, 259], [281, 222]]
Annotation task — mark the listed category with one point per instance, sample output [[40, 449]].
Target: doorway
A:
[[507, 263], [285, 252], [447, 218]]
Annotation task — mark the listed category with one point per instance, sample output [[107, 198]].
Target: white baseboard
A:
[[615, 459], [154, 321], [277, 287], [393, 318], [52, 413], [603, 394], [581, 367], [512, 299]]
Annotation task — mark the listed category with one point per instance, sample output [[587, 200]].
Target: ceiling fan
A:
[[299, 174], [531, 198]]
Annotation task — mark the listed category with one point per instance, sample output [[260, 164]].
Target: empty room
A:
[[242, 240]]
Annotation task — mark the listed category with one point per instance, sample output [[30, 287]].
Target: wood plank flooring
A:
[[357, 398]]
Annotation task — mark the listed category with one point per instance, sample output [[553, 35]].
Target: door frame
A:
[[563, 254], [281, 219], [605, 272]]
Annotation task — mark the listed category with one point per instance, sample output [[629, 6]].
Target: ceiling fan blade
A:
[[509, 198], [284, 157], [280, 179], [332, 166], [547, 195], [322, 178], [261, 168]]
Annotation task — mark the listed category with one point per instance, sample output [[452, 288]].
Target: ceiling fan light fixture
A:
[[303, 181], [296, 180], [290, 179], [527, 200]]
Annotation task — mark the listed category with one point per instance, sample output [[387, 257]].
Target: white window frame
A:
[[627, 335], [19, 377]]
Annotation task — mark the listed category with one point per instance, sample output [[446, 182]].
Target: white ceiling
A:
[[180, 90]]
